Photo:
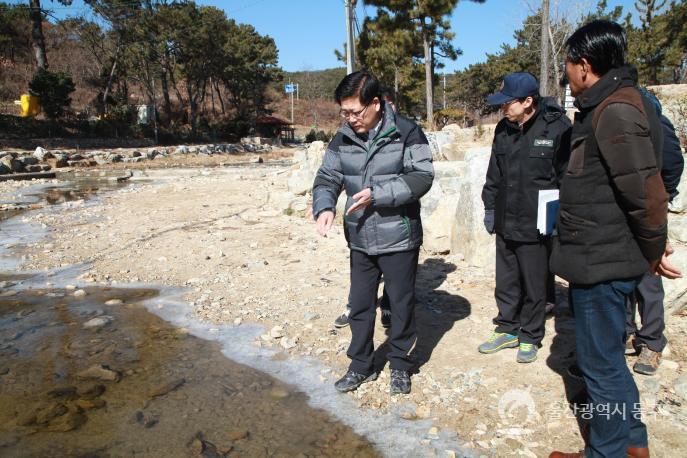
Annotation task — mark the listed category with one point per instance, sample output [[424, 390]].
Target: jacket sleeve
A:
[[491, 185], [328, 183], [673, 162], [416, 179], [623, 136]]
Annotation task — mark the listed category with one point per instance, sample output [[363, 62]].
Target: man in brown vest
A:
[[612, 228]]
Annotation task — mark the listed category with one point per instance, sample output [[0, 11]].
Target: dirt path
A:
[[223, 233]]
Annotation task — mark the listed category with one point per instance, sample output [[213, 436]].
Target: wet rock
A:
[[147, 421], [63, 392], [47, 414], [202, 447], [91, 391], [167, 387], [114, 302], [100, 372], [90, 404], [80, 293], [26, 419], [69, 422], [239, 435], [98, 322]]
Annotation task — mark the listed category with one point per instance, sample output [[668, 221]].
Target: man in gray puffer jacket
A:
[[384, 163]]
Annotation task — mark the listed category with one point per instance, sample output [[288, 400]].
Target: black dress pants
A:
[[649, 296], [522, 271], [399, 270]]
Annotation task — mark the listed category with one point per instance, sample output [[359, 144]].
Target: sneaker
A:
[[648, 361], [386, 318], [400, 382], [342, 321], [352, 380], [527, 352], [575, 372], [498, 341], [630, 348]]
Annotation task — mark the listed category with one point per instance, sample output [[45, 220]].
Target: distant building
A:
[[272, 127]]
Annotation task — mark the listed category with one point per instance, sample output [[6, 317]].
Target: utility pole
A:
[[291, 101], [349, 7], [444, 85], [544, 60]]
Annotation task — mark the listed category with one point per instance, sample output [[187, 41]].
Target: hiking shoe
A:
[[648, 361], [400, 382], [352, 380], [630, 348], [386, 318], [575, 372], [342, 320], [527, 352], [498, 341]]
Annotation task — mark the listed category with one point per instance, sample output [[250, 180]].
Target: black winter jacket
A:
[[524, 161]]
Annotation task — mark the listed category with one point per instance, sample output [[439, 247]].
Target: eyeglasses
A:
[[354, 114]]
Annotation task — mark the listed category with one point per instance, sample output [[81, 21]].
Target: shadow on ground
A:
[[435, 312]]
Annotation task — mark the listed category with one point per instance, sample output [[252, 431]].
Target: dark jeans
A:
[[522, 273], [399, 270], [600, 314], [649, 297]]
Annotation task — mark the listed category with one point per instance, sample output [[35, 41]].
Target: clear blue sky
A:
[[307, 31]]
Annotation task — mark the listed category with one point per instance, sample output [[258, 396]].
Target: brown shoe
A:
[[637, 452], [566, 455], [648, 361]]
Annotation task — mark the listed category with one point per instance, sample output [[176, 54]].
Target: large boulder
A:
[[439, 206], [9, 164], [452, 142], [676, 290], [307, 161], [468, 236]]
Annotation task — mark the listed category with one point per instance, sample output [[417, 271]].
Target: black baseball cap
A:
[[515, 86]]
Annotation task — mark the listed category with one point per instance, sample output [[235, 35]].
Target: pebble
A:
[[237, 321], [114, 302], [98, 322], [310, 316], [278, 393], [277, 332], [238, 435], [80, 293], [100, 372], [167, 387]]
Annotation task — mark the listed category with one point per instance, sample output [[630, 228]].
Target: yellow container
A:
[[30, 105]]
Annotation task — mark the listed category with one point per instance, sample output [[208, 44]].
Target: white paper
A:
[[545, 196]]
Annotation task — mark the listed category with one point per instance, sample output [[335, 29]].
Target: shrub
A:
[[53, 89]]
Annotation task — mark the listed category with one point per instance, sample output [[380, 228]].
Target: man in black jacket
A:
[[529, 154], [612, 228], [649, 340]]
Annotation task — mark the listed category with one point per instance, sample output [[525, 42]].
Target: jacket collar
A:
[[607, 85]]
